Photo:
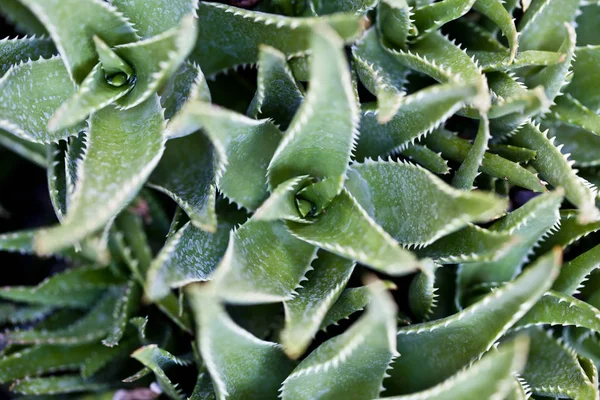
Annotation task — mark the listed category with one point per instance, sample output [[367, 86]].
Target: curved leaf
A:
[[424, 346], [421, 294], [583, 86], [323, 132], [230, 36], [75, 40], [151, 18], [431, 17], [496, 11], [419, 208], [240, 364], [156, 359], [427, 158], [131, 144], [18, 50], [469, 169], [305, 312], [573, 273], [338, 364], [538, 27]]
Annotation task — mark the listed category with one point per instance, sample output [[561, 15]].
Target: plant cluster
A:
[[307, 199]]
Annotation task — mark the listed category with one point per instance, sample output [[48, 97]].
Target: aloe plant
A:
[[310, 199]]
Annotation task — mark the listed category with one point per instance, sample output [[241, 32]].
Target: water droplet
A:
[[117, 80]]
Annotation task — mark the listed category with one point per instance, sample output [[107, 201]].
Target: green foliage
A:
[[241, 271]]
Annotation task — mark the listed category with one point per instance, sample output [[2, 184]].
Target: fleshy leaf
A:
[[156, 359], [151, 18], [75, 40], [347, 230], [528, 224], [501, 62], [277, 95], [338, 364], [394, 22], [56, 385], [489, 378], [571, 230], [186, 174], [553, 369], [190, 255], [18, 50], [569, 110], [540, 27], [380, 73], [554, 167], [263, 263], [323, 7], [495, 11], [187, 83], [27, 116], [470, 244], [305, 312], [93, 94], [401, 211], [582, 145], [156, 59], [426, 345], [431, 17], [89, 328], [126, 305], [418, 115], [240, 364], [34, 152], [573, 273], [281, 204], [241, 32], [23, 19], [421, 294], [56, 177], [351, 300], [244, 147], [427, 158], [583, 86], [77, 287], [323, 132], [513, 153], [469, 169], [556, 308], [456, 149], [131, 144]]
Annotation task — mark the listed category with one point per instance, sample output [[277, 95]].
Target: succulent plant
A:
[[306, 199]]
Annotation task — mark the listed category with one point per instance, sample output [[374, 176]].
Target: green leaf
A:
[[78, 287], [571, 230], [230, 36], [126, 305], [417, 115], [512, 153], [556, 169], [336, 369], [75, 40], [244, 147], [18, 50], [569, 110], [469, 169], [156, 59], [305, 312], [469, 244], [394, 23], [456, 149], [278, 95], [21, 118], [573, 273], [427, 158], [89, 328], [156, 359], [489, 378], [431, 17], [323, 7], [151, 18], [186, 174], [495, 11], [55, 385], [581, 144], [347, 230], [282, 204], [528, 224], [34, 152], [323, 132], [419, 208], [434, 351], [263, 263], [380, 73], [555, 308], [131, 144], [554, 77], [45, 358], [94, 93], [56, 177], [16, 315], [351, 300], [583, 86], [240, 364], [539, 29], [186, 84], [421, 294], [553, 369], [190, 255], [501, 62]]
